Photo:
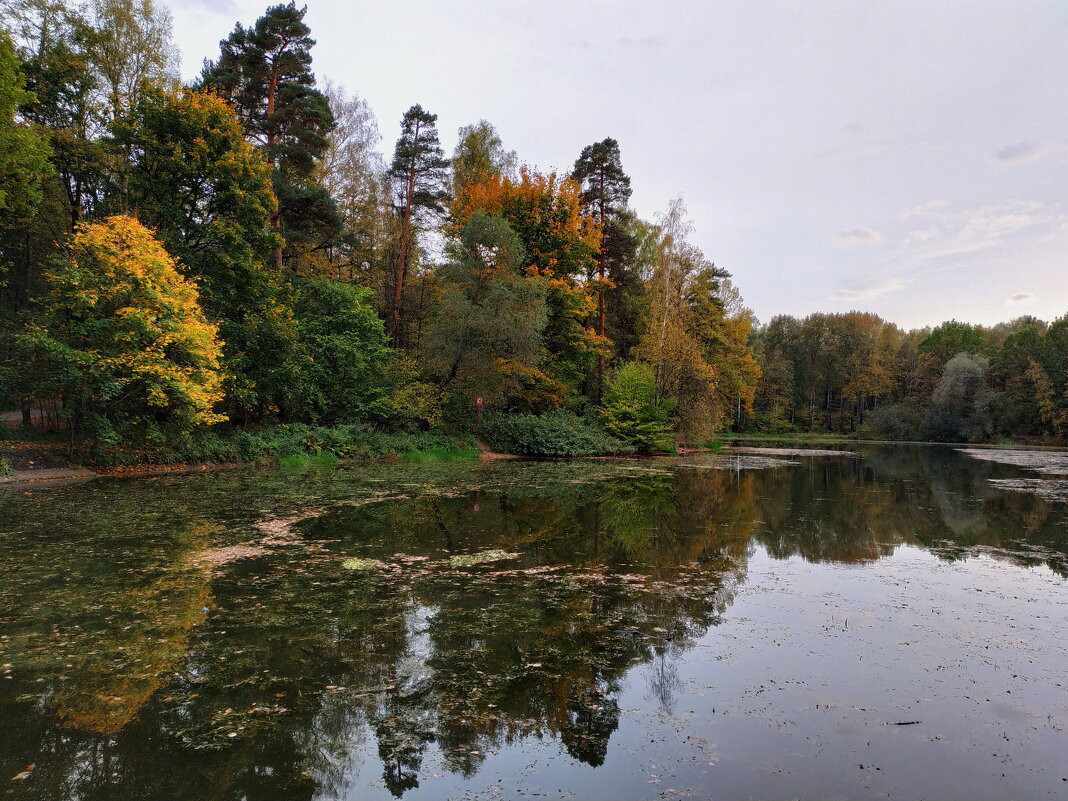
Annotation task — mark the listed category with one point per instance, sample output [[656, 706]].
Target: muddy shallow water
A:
[[882, 624]]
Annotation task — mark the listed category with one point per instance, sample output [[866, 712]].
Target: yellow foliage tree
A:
[[697, 339], [126, 343], [1054, 419]]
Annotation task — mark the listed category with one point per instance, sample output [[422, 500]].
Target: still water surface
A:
[[890, 624]]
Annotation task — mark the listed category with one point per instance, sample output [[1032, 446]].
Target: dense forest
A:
[[857, 373], [191, 263]]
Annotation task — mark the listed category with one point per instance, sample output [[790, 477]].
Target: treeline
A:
[[235, 252], [856, 373]]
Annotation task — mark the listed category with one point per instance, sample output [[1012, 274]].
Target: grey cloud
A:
[[953, 232], [1021, 297], [868, 290], [859, 236], [1020, 151]]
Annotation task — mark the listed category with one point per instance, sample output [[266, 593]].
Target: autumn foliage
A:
[[561, 246], [124, 337]]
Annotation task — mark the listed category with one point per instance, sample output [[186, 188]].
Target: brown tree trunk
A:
[[402, 255], [22, 296], [600, 296], [275, 220]]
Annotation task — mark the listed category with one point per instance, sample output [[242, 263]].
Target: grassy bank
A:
[[293, 446]]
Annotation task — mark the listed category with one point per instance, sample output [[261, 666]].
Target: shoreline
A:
[[53, 474]]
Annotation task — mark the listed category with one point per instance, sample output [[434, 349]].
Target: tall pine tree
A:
[[605, 192], [420, 176], [265, 73]]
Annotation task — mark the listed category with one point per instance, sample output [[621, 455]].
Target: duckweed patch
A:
[[470, 559], [361, 564]]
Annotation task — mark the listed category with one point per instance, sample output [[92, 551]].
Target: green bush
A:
[[632, 412], [962, 407], [557, 433], [896, 421], [771, 421], [276, 443]]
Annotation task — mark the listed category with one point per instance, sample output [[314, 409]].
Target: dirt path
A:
[[33, 462]]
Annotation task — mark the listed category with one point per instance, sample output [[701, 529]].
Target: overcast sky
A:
[[906, 158]]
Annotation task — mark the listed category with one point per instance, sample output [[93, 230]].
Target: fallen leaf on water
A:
[[25, 774]]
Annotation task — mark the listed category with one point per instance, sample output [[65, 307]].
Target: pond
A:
[[887, 623]]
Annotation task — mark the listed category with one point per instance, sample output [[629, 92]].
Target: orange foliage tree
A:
[[561, 245]]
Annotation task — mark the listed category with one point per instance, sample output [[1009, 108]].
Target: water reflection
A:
[[139, 670]]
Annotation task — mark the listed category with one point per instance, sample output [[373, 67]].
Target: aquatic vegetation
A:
[[297, 462], [1053, 463], [1052, 490], [394, 625], [360, 563], [434, 454], [470, 559]]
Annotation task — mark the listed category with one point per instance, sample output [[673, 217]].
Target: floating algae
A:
[[358, 563], [1049, 489], [469, 559], [730, 462], [1050, 463]]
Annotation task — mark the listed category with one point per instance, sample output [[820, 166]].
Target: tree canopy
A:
[[125, 340]]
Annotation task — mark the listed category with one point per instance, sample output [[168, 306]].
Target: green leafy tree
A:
[[347, 376], [485, 338], [130, 48], [265, 73], [480, 156], [56, 41], [631, 410], [24, 170], [23, 150], [961, 408], [206, 191], [949, 339], [419, 174], [129, 348], [24, 154], [561, 243]]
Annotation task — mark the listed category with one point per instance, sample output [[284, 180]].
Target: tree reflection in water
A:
[[302, 673]]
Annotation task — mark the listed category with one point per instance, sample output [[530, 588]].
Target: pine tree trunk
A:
[[600, 297], [402, 255], [275, 220]]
